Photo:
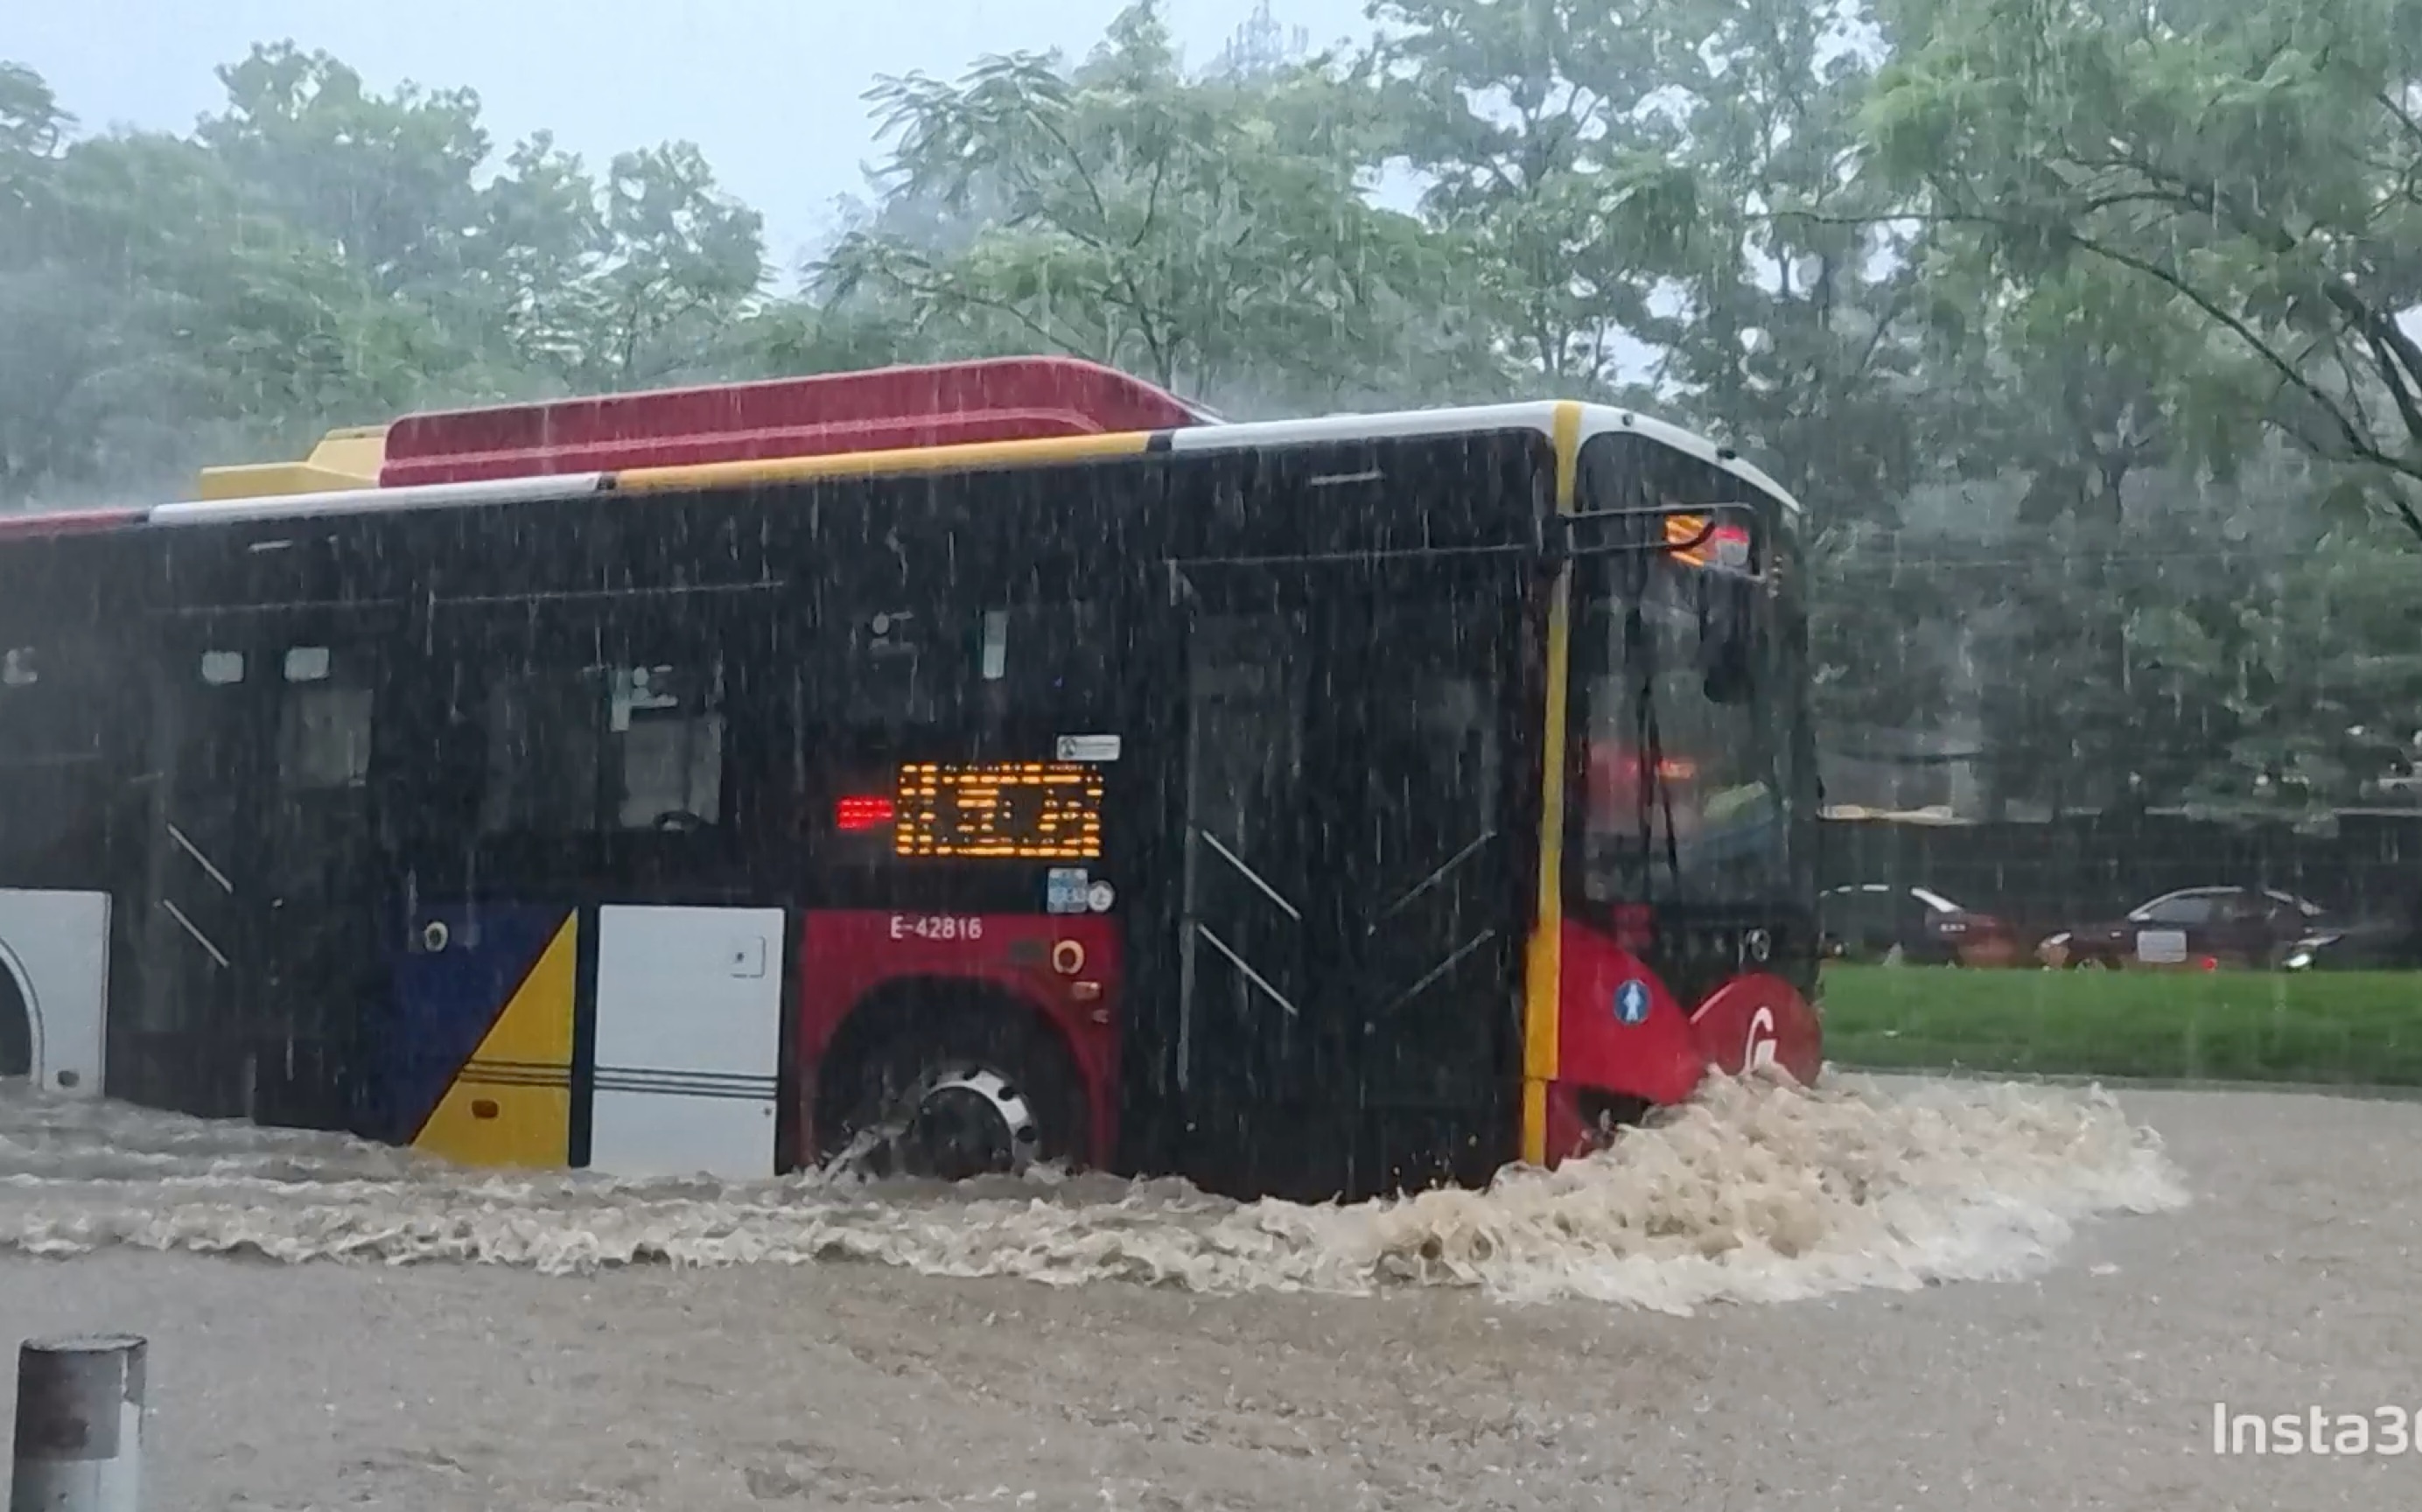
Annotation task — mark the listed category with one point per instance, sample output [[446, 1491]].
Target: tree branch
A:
[[944, 289], [1075, 160], [1152, 201], [2391, 348], [1892, 312], [2404, 118], [2400, 390], [2360, 446]]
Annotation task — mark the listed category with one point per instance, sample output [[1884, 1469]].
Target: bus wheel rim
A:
[[971, 1121]]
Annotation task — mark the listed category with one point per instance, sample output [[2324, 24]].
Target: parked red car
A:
[[1871, 920], [2204, 928]]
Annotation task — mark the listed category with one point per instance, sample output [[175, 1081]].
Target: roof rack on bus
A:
[[1010, 399]]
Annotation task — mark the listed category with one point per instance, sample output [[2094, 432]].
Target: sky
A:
[[772, 90]]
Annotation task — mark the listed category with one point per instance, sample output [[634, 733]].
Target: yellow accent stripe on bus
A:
[[1567, 437], [1544, 962], [965, 457]]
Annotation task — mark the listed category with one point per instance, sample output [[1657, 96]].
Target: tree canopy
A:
[[2085, 330]]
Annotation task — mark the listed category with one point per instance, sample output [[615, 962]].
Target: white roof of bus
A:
[[1220, 436], [380, 500], [1539, 414]]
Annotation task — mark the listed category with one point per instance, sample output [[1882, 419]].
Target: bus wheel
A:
[[16, 1028], [968, 1091], [968, 1121]]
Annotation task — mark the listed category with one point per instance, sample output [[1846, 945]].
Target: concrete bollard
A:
[[79, 1424]]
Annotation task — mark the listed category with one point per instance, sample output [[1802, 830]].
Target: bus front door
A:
[[1350, 897]]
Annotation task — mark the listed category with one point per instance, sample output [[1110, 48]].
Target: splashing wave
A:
[[1753, 1193]]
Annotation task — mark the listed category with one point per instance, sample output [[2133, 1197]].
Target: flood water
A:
[[1900, 1294], [1760, 1192]]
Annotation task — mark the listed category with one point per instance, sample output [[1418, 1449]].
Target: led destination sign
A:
[[1018, 811]]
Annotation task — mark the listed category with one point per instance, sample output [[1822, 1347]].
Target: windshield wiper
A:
[[1656, 795]]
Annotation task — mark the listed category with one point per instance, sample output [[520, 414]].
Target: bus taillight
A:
[[863, 811]]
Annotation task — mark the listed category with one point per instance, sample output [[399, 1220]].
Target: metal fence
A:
[[2045, 875]]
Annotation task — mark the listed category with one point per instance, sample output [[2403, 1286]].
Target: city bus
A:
[[955, 767]]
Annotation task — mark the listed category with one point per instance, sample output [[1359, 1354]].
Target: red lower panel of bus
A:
[[1621, 1032], [1064, 968]]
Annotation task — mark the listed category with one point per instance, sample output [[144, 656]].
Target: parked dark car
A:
[[1869, 920], [2236, 928]]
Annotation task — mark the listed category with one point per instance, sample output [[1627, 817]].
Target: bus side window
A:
[[542, 754], [667, 730], [51, 765], [890, 677], [1042, 658], [621, 747], [323, 726]]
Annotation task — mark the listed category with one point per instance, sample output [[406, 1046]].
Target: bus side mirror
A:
[[1728, 637]]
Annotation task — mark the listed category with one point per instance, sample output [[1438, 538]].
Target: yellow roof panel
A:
[[344, 458]]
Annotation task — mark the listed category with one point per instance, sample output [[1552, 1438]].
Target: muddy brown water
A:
[[1894, 1293]]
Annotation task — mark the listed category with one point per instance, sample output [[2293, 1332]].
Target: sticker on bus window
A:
[[1065, 888], [1089, 747]]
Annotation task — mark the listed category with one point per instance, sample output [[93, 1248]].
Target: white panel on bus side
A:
[[55, 955], [689, 1035]]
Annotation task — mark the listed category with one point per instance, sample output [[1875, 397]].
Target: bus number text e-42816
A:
[[937, 927]]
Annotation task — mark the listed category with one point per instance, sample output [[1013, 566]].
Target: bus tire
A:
[[16, 1028], [949, 1083]]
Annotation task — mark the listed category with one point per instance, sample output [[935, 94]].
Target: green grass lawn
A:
[[2348, 1027]]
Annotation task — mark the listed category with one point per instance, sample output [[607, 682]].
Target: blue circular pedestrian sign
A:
[[1631, 1001]]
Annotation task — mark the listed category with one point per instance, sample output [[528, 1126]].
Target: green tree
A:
[[2254, 170], [33, 129], [680, 268], [1532, 124], [1211, 234], [129, 338], [387, 182], [320, 254]]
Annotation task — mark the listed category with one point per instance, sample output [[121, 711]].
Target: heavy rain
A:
[[1212, 753]]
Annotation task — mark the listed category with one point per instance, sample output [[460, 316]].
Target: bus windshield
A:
[[1684, 758]]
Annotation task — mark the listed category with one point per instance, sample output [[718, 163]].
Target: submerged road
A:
[[2287, 1283]]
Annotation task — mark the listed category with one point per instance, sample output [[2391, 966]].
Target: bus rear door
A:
[[583, 971]]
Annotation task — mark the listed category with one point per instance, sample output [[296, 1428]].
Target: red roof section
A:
[[67, 522], [1012, 399]]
